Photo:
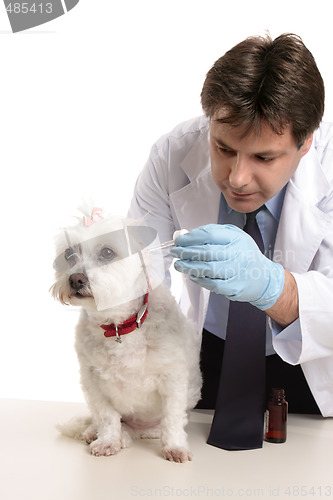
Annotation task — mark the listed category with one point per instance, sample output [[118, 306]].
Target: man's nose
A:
[[240, 173]]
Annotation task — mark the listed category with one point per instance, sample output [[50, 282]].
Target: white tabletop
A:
[[36, 463]]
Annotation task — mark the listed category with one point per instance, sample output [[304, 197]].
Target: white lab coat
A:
[[177, 189]]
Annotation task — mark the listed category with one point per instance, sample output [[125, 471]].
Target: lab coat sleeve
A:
[[311, 335]]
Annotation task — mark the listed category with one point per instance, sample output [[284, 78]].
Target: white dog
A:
[[138, 354]]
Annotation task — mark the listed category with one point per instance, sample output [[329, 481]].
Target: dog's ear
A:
[[140, 237]]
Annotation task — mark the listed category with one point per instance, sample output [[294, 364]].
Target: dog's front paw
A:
[[179, 455], [101, 448]]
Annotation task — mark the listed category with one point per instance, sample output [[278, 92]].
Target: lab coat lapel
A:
[[198, 202], [302, 224]]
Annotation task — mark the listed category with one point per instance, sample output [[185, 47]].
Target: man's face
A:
[[251, 169]]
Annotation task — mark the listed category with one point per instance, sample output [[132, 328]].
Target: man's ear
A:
[[307, 144]]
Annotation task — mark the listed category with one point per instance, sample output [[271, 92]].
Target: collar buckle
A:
[[140, 315]]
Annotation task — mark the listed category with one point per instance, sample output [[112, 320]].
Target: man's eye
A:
[[71, 256], [224, 150], [107, 254], [264, 159]]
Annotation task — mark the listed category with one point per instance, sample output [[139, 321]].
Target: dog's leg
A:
[[173, 436], [104, 435], [109, 440]]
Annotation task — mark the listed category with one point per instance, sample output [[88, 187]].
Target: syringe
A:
[[170, 243]]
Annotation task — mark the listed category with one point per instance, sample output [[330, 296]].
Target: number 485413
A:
[[25, 8], [313, 491]]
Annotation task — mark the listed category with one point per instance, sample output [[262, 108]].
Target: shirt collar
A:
[[274, 205]]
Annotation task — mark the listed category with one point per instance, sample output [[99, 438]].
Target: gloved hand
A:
[[226, 260]]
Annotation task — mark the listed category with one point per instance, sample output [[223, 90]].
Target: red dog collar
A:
[[129, 325]]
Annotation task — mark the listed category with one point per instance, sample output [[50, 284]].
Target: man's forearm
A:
[[285, 310]]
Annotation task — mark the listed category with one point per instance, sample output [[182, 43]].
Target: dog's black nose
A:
[[78, 281]]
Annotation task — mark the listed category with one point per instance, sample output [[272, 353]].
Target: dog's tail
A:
[[75, 428]]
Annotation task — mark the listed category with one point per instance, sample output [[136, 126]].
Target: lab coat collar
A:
[[310, 178], [197, 160], [198, 202]]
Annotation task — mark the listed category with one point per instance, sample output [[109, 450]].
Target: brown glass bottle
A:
[[276, 417]]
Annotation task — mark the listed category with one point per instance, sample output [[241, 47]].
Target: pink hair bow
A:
[[96, 215]]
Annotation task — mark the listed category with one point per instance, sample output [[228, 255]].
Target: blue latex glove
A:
[[226, 260]]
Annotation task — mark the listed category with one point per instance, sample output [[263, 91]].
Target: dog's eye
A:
[[70, 256], [107, 254]]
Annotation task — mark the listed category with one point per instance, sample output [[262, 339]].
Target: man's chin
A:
[[244, 203]]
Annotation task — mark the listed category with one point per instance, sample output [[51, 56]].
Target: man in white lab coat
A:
[[261, 144]]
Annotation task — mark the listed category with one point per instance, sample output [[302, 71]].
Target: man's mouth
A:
[[241, 195]]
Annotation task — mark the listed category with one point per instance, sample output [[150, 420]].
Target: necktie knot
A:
[[252, 215]]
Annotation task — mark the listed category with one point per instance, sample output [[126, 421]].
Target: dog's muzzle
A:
[[79, 283]]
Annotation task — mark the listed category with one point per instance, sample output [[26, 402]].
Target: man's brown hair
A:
[[264, 80]]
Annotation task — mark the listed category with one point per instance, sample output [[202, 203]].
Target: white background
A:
[[82, 100]]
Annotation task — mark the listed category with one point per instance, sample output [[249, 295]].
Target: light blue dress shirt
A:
[[268, 221]]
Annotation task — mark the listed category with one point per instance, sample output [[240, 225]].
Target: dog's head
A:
[[100, 263]]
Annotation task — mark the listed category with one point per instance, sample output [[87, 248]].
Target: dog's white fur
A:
[[144, 386]]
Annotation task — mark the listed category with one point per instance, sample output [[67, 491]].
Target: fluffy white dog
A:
[[138, 354]]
